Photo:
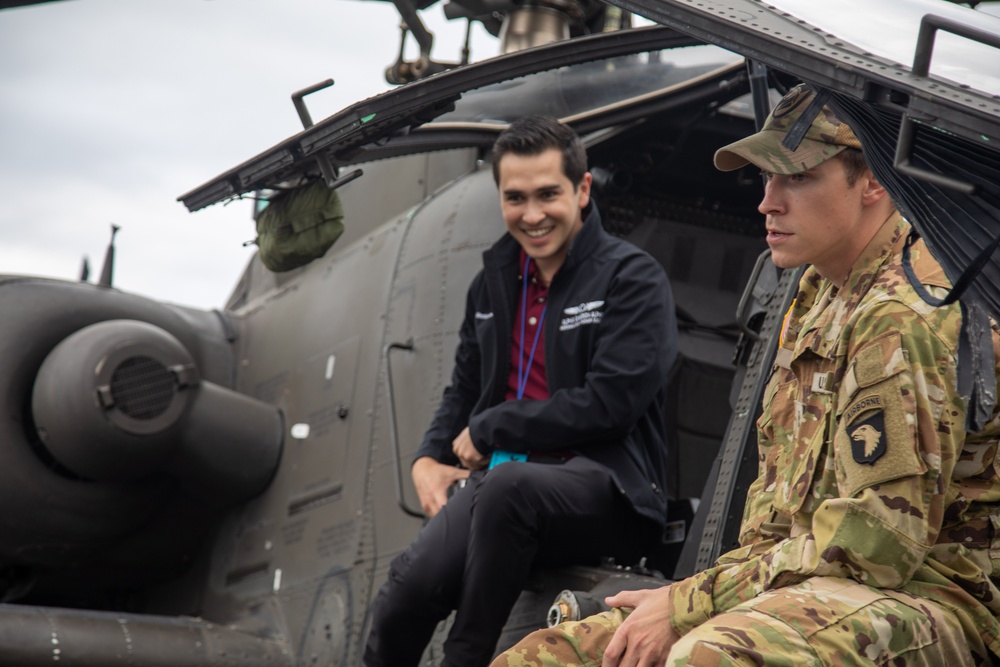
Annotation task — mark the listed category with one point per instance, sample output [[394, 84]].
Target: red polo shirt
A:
[[537, 295]]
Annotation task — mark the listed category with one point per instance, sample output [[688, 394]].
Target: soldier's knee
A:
[[539, 649], [572, 644], [708, 654], [697, 650]]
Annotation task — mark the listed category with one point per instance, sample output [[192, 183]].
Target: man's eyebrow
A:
[[541, 189]]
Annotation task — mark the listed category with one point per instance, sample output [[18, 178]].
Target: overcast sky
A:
[[111, 109]]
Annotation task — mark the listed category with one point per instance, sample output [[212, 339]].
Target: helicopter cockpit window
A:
[[571, 91]]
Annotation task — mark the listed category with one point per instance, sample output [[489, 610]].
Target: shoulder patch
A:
[[875, 438], [868, 438]]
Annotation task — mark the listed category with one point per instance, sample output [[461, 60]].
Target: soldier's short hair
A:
[[825, 137], [854, 163], [533, 135]]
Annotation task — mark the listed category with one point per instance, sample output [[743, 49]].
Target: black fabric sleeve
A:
[[460, 396]]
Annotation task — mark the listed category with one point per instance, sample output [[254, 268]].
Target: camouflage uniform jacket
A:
[[864, 470]]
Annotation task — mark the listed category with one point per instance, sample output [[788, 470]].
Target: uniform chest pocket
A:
[[796, 419]]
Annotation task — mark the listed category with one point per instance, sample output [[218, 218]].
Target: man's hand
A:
[[646, 636], [467, 452], [432, 480]]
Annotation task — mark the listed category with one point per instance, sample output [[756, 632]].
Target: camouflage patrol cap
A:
[[826, 137]]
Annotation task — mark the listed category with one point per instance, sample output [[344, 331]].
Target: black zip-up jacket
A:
[[610, 341]]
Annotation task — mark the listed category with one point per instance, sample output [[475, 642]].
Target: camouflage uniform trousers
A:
[[823, 621]]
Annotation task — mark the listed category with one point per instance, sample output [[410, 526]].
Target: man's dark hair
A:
[[534, 135]]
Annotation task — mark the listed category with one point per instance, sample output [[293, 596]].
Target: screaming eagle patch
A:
[[868, 441], [876, 435]]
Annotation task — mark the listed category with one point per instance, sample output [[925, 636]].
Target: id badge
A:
[[500, 456]]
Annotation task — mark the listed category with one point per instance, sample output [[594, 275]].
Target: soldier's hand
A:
[[646, 636], [432, 480], [467, 452]]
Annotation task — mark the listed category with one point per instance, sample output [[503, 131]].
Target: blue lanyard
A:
[[522, 374]]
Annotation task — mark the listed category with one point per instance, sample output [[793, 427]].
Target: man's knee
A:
[[509, 491], [507, 476], [412, 581]]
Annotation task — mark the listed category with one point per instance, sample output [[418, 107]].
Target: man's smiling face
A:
[[541, 206]]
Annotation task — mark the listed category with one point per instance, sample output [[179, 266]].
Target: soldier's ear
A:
[[872, 191]]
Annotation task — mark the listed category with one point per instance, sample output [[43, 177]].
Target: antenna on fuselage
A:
[[108, 270]]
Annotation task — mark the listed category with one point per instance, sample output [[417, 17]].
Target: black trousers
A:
[[476, 554]]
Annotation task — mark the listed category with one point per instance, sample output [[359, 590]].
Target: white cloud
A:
[[113, 108]]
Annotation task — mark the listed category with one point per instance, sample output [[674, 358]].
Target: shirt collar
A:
[[818, 309], [886, 243]]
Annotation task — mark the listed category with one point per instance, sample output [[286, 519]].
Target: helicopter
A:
[[191, 487]]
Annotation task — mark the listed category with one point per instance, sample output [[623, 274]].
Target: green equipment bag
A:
[[299, 226]]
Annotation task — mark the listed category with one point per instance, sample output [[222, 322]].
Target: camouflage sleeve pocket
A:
[[875, 438]]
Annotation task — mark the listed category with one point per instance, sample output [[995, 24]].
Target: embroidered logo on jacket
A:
[[583, 307], [868, 438], [585, 313], [484, 316]]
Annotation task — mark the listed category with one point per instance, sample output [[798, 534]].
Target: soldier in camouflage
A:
[[870, 535]]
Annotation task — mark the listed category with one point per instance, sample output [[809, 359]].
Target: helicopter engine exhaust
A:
[[122, 440], [120, 400]]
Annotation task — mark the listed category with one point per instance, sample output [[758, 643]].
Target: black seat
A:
[[697, 412]]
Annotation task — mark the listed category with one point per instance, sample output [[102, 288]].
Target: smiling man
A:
[[868, 537], [553, 418]]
